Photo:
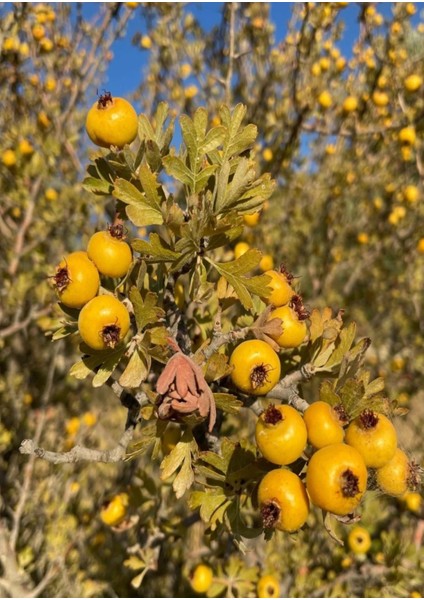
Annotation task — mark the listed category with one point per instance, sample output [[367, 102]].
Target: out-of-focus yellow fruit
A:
[[267, 154], [413, 83], [266, 263], [413, 501], [8, 158], [340, 63], [407, 135], [34, 79], [131, 4], [252, 219], [378, 202], [72, 426], [396, 28], [10, 44], [43, 119], [378, 20], [350, 177], [411, 193], [46, 44], [325, 99], [382, 81], [185, 70], [406, 152], [50, 84], [380, 98], [397, 214], [363, 238], [240, 248], [24, 50], [315, 69], [38, 31], [190, 91], [89, 419], [330, 149], [410, 8], [397, 363], [350, 104], [420, 246], [201, 579], [324, 63], [27, 399], [370, 11], [74, 487], [115, 511], [146, 42], [51, 194]]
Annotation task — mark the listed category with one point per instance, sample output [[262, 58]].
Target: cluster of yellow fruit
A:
[[103, 321], [336, 474], [201, 579]]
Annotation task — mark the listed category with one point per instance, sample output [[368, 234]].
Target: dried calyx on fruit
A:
[[183, 389]]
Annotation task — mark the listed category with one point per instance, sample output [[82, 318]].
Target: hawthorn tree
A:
[[178, 487]]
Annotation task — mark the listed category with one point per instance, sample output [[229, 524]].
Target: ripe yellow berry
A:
[[380, 99], [146, 42], [407, 135], [240, 248], [38, 32], [25, 147], [8, 158], [201, 579], [267, 154], [363, 238], [411, 193], [413, 83], [420, 246], [325, 100], [251, 219], [268, 586], [51, 194], [350, 104], [267, 263], [190, 91]]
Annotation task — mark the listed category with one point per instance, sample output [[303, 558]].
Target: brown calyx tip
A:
[[259, 375], [61, 279], [368, 419], [284, 271], [104, 100], [349, 484], [110, 335], [117, 230], [299, 308], [270, 513], [341, 413], [272, 415]]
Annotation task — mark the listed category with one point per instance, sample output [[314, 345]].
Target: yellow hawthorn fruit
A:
[[251, 219], [363, 238], [72, 426], [10, 44], [38, 31], [268, 586], [240, 248], [325, 100], [111, 122], [410, 8], [115, 511], [283, 501], [110, 253], [330, 149], [406, 153], [396, 28], [201, 579], [34, 79], [50, 84], [51, 195], [340, 64], [382, 81], [76, 280], [256, 367], [267, 154], [46, 44], [146, 42], [324, 63], [336, 478], [380, 99], [281, 290], [323, 425], [43, 119], [350, 104], [316, 69], [185, 70], [420, 246], [412, 83], [294, 329], [131, 4], [89, 419], [190, 91], [374, 437], [411, 193], [266, 263], [413, 501], [8, 158], [25, 147], [407, 135], [398, 475], [359, 540], [281, 434], [103, 322]]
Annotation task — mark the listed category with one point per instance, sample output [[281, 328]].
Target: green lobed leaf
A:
[[146, 311], [107, 368], [180, 458], [97, 186], [176, 168], [156, 249], [346, 339], [214, 138], [150, 186], [228, 403]]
